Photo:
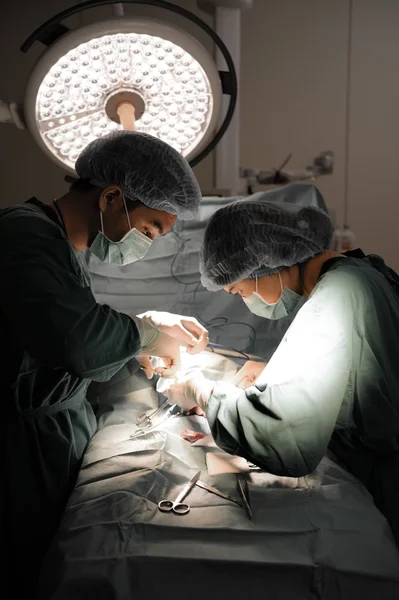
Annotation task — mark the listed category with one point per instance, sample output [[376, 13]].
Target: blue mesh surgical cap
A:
[[146, 169], [255, 237]]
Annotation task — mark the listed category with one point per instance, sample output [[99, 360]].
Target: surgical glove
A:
[[146, 365], [248, 374], [190, 391], [156, 343], [186, 330]]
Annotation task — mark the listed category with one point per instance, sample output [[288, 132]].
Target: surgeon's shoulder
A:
[[348, 280], [25, 223]]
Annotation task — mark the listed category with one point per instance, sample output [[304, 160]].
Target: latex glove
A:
[[248, 374], [145, 362], [186, 330], [168, 349], [197, 411], [190, 391], [156, 343]]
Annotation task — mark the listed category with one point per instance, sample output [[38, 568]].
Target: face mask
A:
[[133, 246], [284, 306]]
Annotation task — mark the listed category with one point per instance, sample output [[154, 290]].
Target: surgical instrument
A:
[[230, 353], [243, 493], [178, 506], [151, 427], [253, 467], [213, 490], [148, 369], [145, 420]]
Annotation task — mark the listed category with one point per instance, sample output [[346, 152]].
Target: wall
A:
[[293, 86], [293, 99], [374, 131]]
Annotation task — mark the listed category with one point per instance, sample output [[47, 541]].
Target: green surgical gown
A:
[[333, 382], [55, 340]]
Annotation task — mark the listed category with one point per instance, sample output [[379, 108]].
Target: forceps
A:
[[213, 490], [145, 420], [178, 506], [150, 427], [242, 481]]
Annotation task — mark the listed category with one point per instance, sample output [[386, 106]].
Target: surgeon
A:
[[56, 338], [333, 382]]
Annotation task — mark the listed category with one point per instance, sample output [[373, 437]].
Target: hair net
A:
[[300, 196], [146, 169], [258, 237]]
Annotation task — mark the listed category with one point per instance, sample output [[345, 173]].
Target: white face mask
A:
[[133, 246], [284, 306]]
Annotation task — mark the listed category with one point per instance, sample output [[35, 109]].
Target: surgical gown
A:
[[333, 382], [55, 340]]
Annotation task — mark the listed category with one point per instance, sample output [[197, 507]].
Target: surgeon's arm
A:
[[285, 421], [53, 317]]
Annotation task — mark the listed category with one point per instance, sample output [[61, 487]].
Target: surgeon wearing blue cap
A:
[[332, 385], [56, 338]]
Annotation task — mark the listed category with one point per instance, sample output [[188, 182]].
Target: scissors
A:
[[178, 506]]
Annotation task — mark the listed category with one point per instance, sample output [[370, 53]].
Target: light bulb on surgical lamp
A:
[[125, 73], [90, 84]]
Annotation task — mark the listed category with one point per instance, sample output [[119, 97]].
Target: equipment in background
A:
[[323, 164], [344, 239]]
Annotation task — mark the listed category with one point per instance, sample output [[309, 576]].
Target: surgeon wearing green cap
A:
[[333, 382], [56, 338]]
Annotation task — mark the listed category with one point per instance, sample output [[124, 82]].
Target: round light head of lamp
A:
[[168, 76]]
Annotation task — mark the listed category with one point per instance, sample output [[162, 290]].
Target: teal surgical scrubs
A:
[[333, 382], [55, 340]]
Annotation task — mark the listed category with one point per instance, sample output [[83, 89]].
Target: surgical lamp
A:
[[131, 73]]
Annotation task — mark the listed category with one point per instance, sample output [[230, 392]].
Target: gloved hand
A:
[[186, 330], [248, 374], [190, 391], [145, 362], [156, 343]]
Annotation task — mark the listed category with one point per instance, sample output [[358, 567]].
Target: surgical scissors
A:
[[178, 506]]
